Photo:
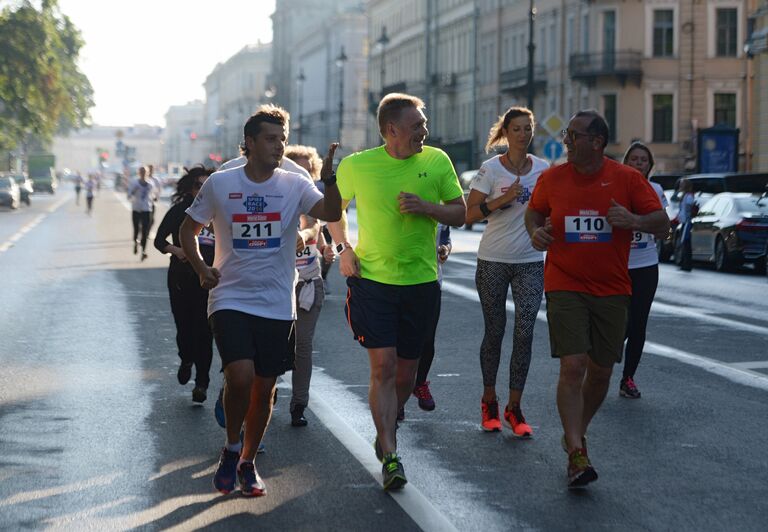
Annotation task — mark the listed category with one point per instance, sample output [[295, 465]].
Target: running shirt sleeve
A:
[[345, 179], [449, 184], [540, 198], [203, 208], [309, 195], [483, 181], [644, 199]]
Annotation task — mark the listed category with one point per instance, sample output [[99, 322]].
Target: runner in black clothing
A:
[[189, 302]]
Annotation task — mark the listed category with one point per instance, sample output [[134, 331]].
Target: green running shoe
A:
[[393, 473]]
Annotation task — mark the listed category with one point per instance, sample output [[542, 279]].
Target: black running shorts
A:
[[271, 344], [386, 315]]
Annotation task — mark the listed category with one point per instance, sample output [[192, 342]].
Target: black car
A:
[[731, 229]]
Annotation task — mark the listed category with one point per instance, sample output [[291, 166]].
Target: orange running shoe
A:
[[515, 420], [491, 421]]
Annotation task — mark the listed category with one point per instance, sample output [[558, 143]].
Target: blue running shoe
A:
[[218, 410], [226, 471], [251, 484]]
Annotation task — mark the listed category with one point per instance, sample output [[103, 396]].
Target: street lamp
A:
[[300, 79], [340, 60], [383, 41], [531, 50]]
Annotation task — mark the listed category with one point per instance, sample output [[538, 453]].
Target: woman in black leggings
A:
[[189, 302], [644, 273]]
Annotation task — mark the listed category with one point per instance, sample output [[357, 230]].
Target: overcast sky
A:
[[142, 56]]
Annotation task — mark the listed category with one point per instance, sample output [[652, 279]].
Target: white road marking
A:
[[123, 201], [8, 244], [729, 371], [757, 364], [677, 310], [410, 499]]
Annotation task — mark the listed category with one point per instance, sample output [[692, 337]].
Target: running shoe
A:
[[250, 482], [515, 420], [135, 247], [401, 414], [491, 421], [628, 388], [564, 444], [422, 393], [580, 470], [218, 410], [184, 373], [393, 473], [226, 472], [297, 416], [199, 394]]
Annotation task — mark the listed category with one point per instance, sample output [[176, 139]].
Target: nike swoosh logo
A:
[[604, 184]]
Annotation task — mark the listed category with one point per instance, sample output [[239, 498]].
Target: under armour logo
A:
[[422, 174]]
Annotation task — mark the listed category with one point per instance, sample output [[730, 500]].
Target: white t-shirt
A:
[[642, 251], [285, 164], [142, 195], [255, 226], [506, 239]]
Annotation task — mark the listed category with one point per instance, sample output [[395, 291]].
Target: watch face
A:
[[339, 248]]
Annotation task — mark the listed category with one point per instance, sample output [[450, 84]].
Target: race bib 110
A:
[[587, 229], [256, 231]]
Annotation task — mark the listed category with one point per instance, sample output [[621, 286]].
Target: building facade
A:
[[659, 70], [758, 86], [233, 91], [184, 138]]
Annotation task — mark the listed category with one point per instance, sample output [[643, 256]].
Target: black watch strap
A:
[[331, 180], [484, 209]]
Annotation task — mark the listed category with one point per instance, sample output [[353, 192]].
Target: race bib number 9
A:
[[641, 240], [587, 229], [256, 231]]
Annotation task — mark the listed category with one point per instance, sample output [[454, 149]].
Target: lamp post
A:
[[340, 60], [383, 41], [300, 79], [531, 50]]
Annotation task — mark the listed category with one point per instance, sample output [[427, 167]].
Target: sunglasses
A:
[[573, 135]]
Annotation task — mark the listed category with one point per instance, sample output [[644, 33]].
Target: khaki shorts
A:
[[583, 323]]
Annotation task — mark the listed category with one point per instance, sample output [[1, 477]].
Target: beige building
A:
[[184, 138], [758, 76], [232, 92], [659, 70]]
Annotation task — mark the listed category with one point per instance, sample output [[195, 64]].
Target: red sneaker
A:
[[422, 393], [515, 420], [491, 421]]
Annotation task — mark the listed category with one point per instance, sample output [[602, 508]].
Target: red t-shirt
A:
[[588, 255]]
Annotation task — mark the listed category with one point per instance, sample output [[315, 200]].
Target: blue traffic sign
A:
[[553, 149]]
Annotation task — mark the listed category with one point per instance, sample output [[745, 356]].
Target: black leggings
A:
[[428, 351], [644, 283], [141, 219], [189, 304]]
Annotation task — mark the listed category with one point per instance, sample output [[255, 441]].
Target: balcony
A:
[[620, 65], [516, 81]]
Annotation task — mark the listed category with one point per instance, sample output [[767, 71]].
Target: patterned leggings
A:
[[527, 282]]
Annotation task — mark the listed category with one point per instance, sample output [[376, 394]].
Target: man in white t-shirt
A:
[[255, 211]]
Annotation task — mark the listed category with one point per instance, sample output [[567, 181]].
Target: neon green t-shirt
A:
[[396, 248]]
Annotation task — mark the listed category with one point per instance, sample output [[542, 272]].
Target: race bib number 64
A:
[[587, 229], [256, 231]]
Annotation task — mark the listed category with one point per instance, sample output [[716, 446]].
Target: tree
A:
[[42, 91]]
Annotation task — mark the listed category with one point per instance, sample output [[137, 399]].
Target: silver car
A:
[[10, 195]]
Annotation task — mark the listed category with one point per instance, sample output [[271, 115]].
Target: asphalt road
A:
[[95, 432]]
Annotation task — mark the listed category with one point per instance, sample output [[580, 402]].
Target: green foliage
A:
[[42, 91]]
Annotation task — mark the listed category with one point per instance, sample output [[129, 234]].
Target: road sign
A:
[[553, 124], [553, 149]]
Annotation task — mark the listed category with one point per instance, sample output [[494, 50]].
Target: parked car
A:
[[730, 229], [9, 193], [25, 187]]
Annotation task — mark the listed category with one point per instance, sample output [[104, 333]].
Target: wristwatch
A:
[[484, 209], [331, 180], [341, 248]]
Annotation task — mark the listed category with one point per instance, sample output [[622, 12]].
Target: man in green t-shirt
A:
[[402, 189]]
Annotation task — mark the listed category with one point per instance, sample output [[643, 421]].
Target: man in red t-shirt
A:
[[583, 214]]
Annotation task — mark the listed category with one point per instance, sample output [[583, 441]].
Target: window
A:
[[725, 109], [726, 24], [662, 117], [663, 33], [609, 112]]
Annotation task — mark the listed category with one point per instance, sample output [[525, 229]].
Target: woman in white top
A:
[[644, 272], [500, 193]]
